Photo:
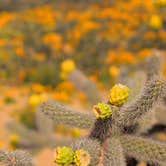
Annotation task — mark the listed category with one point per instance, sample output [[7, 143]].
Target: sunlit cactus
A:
[[144, 149], [115, 127], [153, 90], [60, 113], [113, 153], [145, 71]]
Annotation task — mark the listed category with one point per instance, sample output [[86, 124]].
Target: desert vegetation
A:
[[83, 83]]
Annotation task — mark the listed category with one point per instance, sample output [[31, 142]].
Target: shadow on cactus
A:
[[113, 134]]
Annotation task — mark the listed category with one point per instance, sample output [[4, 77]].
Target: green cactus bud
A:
[[119, 94], [64, 155], [102, 110], [81, 158]]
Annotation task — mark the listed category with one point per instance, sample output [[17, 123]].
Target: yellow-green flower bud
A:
[[64, 155], [119, 94], [81, 158], [102, 110]]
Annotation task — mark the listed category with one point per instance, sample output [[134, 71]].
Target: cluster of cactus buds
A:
[[66, 156], [118, 96]]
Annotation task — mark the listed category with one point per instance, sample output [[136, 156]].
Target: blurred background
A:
[[71, 51]]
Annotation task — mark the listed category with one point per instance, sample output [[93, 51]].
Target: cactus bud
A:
[[64, 155], [119, 94], [81, 158], [102, 110]]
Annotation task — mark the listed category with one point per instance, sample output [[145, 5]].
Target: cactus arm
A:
[[113, 153], [15, 158], [62, 114], [135, 83], [161, 114], [152, 64], [144, 149], [156, 116], [43, 123], [131, 113], [31, 139], [26, 135], [147, 122]]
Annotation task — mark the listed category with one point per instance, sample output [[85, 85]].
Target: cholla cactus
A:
[[15, 158], [114, 130], [112, 134]]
